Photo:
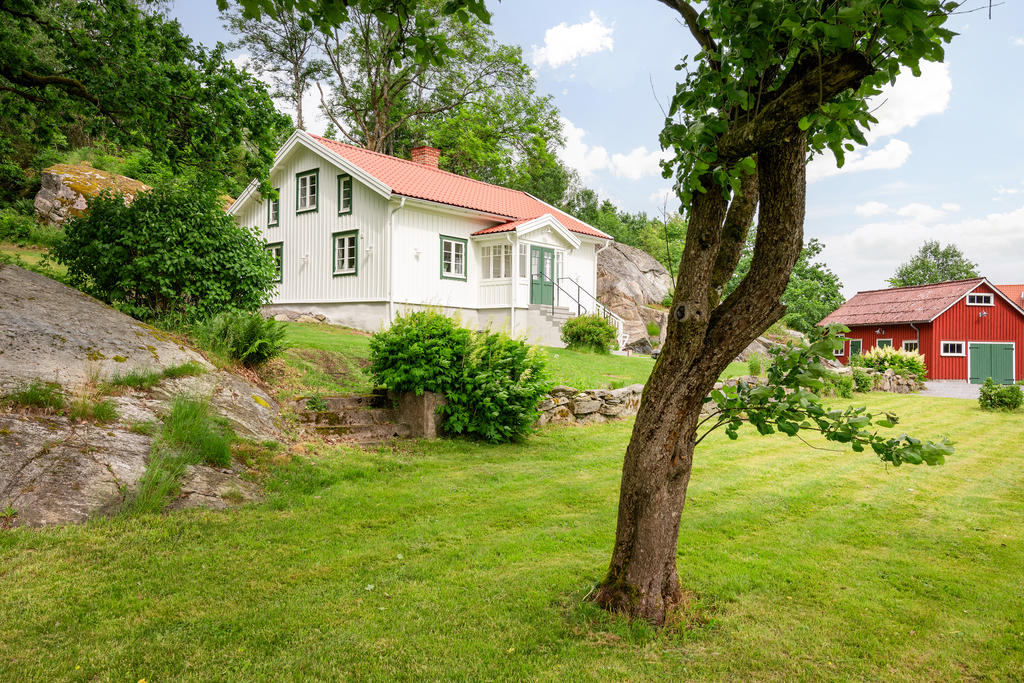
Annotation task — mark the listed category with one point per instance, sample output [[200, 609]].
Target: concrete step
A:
[[367, 434], [349, 417], [378, 399]]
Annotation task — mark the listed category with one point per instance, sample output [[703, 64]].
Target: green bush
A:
[[838, 385], [246, 338], [862, 381], [589, 333], [653, 329], [903, 363], [994, 396], [755, 364], [171, 250], [492, 383]]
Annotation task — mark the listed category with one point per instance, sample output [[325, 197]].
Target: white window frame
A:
[[303, 202], [840, 351], [963, 348], [456, 244], [276, 250], [274, 210], [986, 299], [350, 260], [917, 345], [496, 260], [889, 339], [524, 261]]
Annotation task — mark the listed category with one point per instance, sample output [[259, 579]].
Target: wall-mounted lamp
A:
[[369, 249], [982, 314], [879, 331], [416, 253]]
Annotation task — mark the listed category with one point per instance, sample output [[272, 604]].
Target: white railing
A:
[[597, 308]]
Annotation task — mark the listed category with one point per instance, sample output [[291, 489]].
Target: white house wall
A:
[[417, 258], [308, 247]]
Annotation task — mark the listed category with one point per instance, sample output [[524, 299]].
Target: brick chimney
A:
[[427, 156]]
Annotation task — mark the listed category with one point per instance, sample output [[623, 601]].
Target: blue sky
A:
[[945, 162]]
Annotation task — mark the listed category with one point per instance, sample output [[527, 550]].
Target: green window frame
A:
[[855, 347], [303, 190], [346, 243], [344, 194], [276, 249], [274, 210], [450, 258]]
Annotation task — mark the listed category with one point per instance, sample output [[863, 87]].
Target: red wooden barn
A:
[[965, 329]]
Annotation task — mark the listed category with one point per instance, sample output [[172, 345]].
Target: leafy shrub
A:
[[247, 338], [421, 351], [502, 382], [903, 363], [754, 364], [171, 250], [862, 381], [589, 333], [836, 384], [492, 383], [653, 330], [994, 396]]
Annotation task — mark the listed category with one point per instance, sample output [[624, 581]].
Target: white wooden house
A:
[[361, 236]]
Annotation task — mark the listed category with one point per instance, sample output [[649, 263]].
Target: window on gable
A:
[[276, 251], [979, 300], [952, 348], [497, 261], [307, 188], [346, 252], [453, 258], [274, 210], [344, 194]]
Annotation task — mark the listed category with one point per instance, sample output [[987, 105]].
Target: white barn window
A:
[[951, 348], [979, 300]]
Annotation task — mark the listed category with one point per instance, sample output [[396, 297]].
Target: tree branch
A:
[[692, 19]]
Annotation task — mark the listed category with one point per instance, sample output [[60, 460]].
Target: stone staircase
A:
[[545, 325], [366, 420]]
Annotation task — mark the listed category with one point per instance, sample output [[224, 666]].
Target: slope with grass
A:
[[458, 560], [332, 359]]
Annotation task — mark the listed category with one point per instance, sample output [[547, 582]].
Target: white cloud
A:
[[910, 99], [871, 209], [664, 198], [893, 155], [564, 44], [1019, 42], [950, 206], [1003, 190], [920, 213], [867, 256], [638, 164], [589, 159]]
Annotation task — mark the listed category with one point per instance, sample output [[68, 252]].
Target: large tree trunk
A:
[[703, 337]]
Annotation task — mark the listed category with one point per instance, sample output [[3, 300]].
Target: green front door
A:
[[542, 273], [991, 360]]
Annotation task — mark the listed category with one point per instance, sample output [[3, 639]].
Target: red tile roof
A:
[[504, 227], [901, 305], [1014, 293], [413, 179]]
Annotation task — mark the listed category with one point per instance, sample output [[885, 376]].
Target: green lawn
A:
[[462, 561], [333, 359], [30, 255]]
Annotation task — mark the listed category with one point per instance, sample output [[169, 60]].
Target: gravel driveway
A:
[[950, 389]]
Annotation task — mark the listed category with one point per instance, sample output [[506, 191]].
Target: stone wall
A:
[[893, 383], [566, 405]]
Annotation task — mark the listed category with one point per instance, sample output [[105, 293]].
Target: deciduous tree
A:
[[774, 82], [934, 263]]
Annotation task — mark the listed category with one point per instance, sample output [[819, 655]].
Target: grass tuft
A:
[[38, 394], [100, 411], [147, 379]]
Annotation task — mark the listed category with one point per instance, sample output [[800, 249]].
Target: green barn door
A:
[[542, 273], [991, 360]]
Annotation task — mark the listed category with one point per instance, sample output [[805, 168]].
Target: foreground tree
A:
[[774, 82], [934, 263], [813, 291]]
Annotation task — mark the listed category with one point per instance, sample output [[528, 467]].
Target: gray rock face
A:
[[52, 332], [251, 413], [206, 487], [53, 471], [628, 281], [67, 188]]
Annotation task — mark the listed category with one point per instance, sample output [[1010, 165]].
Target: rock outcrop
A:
[[57, 471], [629, 280], [67, 188]]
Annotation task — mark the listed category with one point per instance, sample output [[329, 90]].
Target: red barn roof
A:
[[902, 304], [413, 179]]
